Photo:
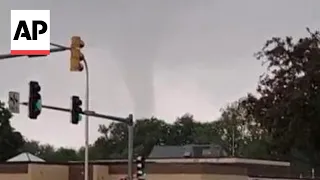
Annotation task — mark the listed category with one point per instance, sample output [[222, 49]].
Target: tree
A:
[[114, 140], [241, 134], [288, 105], [32, 147], [44, 151], [150, 132], [232, 128], [208, 133], [65, 154], [96, 152], [183, 130], [11, 141]]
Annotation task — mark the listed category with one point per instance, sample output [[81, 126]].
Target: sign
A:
[[14, 102], [30, 32]]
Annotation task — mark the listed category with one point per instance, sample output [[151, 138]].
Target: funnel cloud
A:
[[134, 45]]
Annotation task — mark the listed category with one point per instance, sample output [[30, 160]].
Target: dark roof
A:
[[192, 150], [167, 151]]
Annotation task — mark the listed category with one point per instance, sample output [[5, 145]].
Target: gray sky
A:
[[149, 57]]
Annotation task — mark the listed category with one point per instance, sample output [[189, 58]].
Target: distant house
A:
[[192, 151], [25, 157]]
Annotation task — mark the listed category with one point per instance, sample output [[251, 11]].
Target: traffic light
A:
[[34, 100], [140, 162], [76, 54], [76, 109]]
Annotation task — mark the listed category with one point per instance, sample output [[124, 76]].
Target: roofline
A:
[[29, 158], [200, 160]]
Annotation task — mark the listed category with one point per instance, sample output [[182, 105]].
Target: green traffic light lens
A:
[[38, 105]]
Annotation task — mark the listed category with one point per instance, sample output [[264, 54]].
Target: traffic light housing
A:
[[140, 162], [76, 55], [34, 104], [76, 109]]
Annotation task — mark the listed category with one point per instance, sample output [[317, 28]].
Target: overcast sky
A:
[[147, 57]]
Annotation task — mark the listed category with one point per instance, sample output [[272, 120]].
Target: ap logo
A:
[[30, 32]]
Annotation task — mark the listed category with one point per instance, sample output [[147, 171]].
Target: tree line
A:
[[279, 121], [231, 132]]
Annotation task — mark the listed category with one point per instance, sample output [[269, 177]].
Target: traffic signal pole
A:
[[130, 147], [128, 121], [86, 153]]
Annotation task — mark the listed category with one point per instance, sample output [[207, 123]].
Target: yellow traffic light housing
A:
[[75, 60], [76, 54]]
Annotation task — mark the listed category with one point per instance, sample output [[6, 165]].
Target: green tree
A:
[[11, 141], [44, 151], [186, 130], [208, 133], [288, 105], [96, 151], [241, 134], [183, 130], [232, 129], [151, 132], [236, 129], [65, 154], [49, 153], [114, 140], [32, 147]]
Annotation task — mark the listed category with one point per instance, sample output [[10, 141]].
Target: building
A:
[[156, 169], [191, 162], [192, 150]]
